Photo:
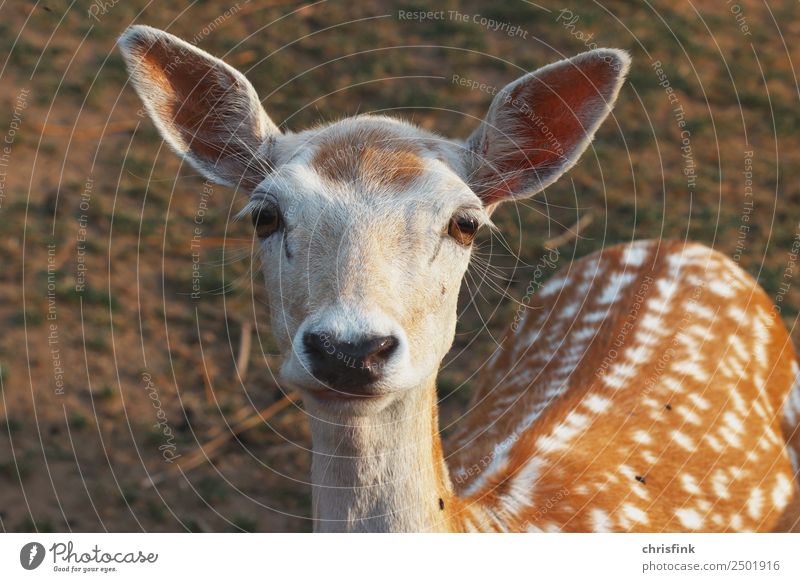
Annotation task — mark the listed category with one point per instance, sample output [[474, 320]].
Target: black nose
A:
[[349, 367]]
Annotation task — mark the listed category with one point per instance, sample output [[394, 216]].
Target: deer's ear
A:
[[205, 109], [538, 126]]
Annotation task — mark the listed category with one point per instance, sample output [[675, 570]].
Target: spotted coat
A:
[[650, 387]]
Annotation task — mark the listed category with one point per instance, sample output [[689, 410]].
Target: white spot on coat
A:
[[683, 441], [755, 503], [617, 283], [782, 492], [690, 518], [635, 254], [601, 523], [596, 403], [635, 514], [690, 484]]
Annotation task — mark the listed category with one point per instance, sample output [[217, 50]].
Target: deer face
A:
[[366, 225], [365, 233]]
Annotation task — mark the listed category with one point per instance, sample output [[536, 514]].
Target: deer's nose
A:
[[348, 367]]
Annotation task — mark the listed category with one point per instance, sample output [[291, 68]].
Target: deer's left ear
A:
[[538, 126]]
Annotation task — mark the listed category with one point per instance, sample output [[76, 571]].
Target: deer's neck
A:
[[382, 472]]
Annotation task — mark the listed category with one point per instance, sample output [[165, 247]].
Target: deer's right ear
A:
[[205, 109]]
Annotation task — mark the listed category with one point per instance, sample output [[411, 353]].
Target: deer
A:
[[649, 386]]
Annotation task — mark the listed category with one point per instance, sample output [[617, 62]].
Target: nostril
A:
[[379, 350], [316, 345]]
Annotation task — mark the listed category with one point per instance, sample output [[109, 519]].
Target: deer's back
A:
[[648, 387]]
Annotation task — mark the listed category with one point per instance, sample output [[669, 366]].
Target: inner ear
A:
[[193, 93]]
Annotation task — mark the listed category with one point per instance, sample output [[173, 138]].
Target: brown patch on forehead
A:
[[373, 156]]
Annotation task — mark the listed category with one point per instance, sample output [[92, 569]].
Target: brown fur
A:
[[641, 486], [368, 157]]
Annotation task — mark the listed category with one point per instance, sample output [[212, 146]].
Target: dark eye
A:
[[463, 229], [266, 220]]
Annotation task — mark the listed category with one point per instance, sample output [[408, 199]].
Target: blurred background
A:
[[127, 345]]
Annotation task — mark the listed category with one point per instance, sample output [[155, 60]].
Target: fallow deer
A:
[[650, 387]]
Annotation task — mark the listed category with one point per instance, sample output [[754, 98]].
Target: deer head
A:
[[365, 225]]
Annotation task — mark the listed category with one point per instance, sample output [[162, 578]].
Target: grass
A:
[[212, 490], [104, 393], [129, 494], [9, 425], [244, 524], [77, 421], [156, 511], [31, 525], [26, 317], [17, 470]]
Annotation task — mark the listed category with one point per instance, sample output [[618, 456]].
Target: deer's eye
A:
[[463, 229], [266, 220]]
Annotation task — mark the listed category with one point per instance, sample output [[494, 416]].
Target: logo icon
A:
[[31, 555]]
